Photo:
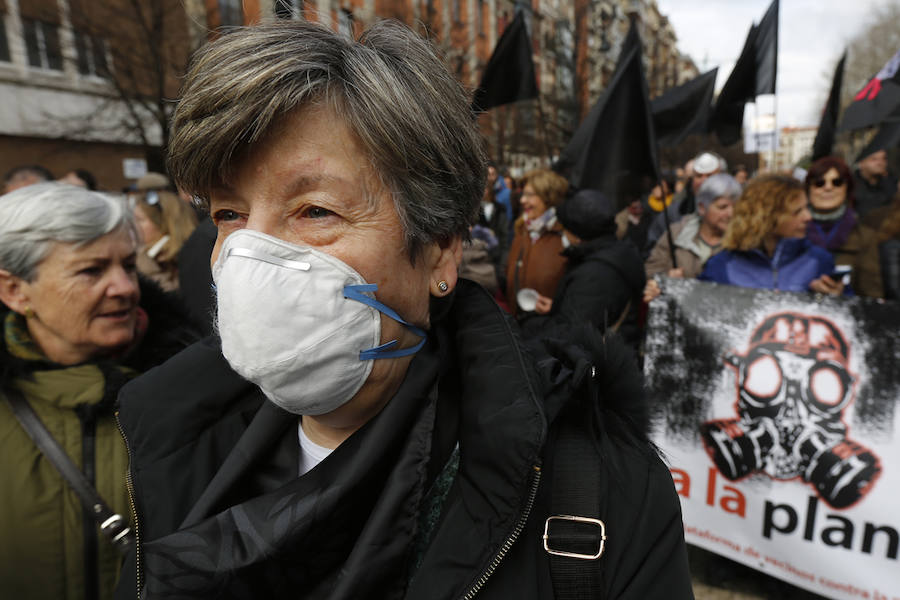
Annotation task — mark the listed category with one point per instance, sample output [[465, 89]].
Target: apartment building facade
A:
[[91, 83]]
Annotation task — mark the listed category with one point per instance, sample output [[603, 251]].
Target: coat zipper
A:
[[129, 484], [511, 539]]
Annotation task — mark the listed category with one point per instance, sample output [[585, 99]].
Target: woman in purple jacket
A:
[[766, 245]]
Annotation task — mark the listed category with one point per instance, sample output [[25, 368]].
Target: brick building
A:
[[66, 65], [90, 83]]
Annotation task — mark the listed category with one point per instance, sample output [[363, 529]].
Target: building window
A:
[[289, 9], [91, 54], [231, 12], [4, 43], [345, 23], [42, 44]]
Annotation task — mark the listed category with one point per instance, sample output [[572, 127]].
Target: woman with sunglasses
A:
[[836, 227]]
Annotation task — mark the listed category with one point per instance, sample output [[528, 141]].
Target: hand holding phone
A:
[[841, 273]]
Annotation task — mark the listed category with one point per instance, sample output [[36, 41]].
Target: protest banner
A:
[[779, 416]]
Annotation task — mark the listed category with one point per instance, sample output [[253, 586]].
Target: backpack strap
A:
[[575, 534], [113, 525]]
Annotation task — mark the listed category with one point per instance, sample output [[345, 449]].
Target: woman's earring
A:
[[29, 313], [442, 286]]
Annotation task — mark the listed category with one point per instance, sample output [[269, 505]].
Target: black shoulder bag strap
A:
[[113, 525], [575, 534]]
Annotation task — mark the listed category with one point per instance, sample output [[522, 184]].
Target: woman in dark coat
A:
[[836, 227], [604, 277], [367, 424]]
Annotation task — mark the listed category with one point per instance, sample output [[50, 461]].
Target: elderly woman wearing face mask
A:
[[836, 227], [367, 424], [76, 326]]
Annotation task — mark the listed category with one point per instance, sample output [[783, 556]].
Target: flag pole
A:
[[775, 140], [543, 126], [668, 225], [759, 156]]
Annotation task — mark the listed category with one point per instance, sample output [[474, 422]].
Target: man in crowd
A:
[[874, 185], [20, 177], [696, 237], [81, 178], [501, 193], [704, 165]]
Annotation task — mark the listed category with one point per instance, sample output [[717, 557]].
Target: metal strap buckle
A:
[[586, 520], [117, 530]]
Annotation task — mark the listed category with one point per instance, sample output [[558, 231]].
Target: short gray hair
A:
[[410, 115], [34, 218], [718, 185]]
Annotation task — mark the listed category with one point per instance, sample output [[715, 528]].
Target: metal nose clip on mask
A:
[[299, 323]]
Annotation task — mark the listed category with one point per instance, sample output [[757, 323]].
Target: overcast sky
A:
[[812, 35]]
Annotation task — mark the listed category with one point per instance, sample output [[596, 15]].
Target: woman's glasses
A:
[[835, 182]]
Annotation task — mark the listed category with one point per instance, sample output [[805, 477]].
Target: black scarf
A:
[[355, 512]]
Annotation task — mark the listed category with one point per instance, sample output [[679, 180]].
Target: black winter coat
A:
[[889, 252], [443, 494], [869, 197], [602, 276]]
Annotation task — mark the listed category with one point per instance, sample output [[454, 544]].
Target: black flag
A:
[[766, 50], [828, 124], [728, 115], [684, 110], [878, 101], [753, 75], [614, 148], [509, 74]]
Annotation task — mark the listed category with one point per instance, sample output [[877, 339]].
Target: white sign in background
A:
[[783, 527], [761, 135]]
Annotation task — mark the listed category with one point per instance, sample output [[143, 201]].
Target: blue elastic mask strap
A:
[[355, 292]]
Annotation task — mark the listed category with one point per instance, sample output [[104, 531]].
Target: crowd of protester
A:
[[99, 287]]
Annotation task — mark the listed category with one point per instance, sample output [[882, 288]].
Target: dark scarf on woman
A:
[[831, 234]]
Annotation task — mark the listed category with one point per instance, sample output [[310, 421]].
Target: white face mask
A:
[[299, 323]]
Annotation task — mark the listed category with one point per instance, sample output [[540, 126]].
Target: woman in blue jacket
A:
[[766, 246]]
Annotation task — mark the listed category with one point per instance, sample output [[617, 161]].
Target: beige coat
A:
[[688, 251]]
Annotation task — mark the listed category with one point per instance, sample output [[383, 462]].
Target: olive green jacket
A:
[[42, 553]]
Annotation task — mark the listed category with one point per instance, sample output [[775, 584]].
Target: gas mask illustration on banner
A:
[[299, 323], [794, 384]]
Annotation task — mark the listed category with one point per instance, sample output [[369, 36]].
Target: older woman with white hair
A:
[[367, 424], [76, 327], [695, 238]]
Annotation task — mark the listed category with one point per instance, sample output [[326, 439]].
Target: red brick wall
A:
[[103, 160]]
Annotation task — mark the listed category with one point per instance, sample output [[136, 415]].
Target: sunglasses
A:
[[836, 182]]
